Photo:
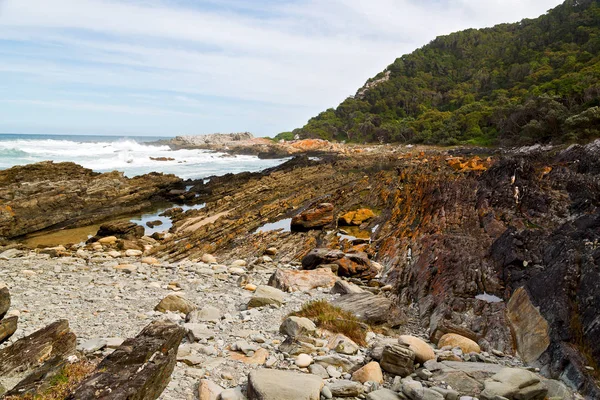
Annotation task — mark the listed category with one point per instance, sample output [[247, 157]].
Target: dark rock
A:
[[29, 353], [121, 229], [139, 369], [355, 265], [40, 379], [152, 224], [8, 326], [313, 218], [398, 360], [318, 257]]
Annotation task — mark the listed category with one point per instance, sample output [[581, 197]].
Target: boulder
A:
[[423, 351], [370, 372], [175, 303], [344, 287], [4, 299], [313, 218], [268, 384], [356, 265], [356, 218], [290, 280], [514, 383], [530, 329], [206, 314], [8, 326], [454, 340], [139, 369], [342, 344], [266, 295], [383, 394], [297, 326], [320, 256], [373, 309], [397, 359]]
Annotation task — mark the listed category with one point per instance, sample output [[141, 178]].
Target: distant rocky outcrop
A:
[[51, 195]]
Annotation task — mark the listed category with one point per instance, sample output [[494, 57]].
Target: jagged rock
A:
[[297, 326], [83, 197], [140, 369], [175, 303], [276, 385], [370, 372], [530, 329], [26, 354], [4, 300], [266, 295], [370, 308], [514, 383], [453, 340], [301, 281], [423, 351], [313, 218], [355, 265], [398, 360], [8, 326], [357, 217]]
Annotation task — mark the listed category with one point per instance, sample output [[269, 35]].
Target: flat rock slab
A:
[[302, 281], [139, 369], [267, 384]]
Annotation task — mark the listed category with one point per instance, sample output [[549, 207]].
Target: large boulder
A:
[[313, 218], [139, 369], [269, 384], [454, 340], [423, 351], [356, 265], [290, 280], [514, 383]]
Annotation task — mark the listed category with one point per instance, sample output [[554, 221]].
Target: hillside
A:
[[536, 81]]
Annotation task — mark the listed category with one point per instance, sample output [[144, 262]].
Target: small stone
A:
[[174, 302], [108, 240], [149, 261], [28, 273], [128, 268], [209, 259], [326, 392], [133, 253], [92, 345], [266, 295], [239, 263], [271, 251], [333, 372]]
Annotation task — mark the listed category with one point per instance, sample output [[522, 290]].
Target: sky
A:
[[171, 67]]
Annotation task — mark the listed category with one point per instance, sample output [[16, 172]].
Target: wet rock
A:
[[139, 369], [313, 218], [302, 281], [266, 295], [176, 303], [276, 385], [398, 360], [453, 340], [121, 229]]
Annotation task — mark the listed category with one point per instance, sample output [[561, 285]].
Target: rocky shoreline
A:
[[455, 248]]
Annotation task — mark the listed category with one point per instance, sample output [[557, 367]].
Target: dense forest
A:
[[536, 81]]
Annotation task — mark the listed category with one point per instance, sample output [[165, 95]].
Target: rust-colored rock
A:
[[300, 281], [453, 340], [313, 218], [356, 217]]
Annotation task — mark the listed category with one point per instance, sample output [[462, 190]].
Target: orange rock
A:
[[356, 217], [454, 340], [370, 372], [423, 352], [259, 358]]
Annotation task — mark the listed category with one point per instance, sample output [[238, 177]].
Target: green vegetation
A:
[[334, 319], [536, 81], [285, 136]]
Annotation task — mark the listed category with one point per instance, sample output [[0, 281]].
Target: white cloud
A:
[[307, 54]]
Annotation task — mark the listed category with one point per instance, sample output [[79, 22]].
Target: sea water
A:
[[131, 155]]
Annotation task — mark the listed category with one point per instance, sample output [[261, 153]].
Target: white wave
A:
[[129, 156]]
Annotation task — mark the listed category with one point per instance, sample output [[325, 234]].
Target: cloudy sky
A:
[[168, 67]]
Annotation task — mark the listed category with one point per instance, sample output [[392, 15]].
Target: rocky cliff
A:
[[51, 196]]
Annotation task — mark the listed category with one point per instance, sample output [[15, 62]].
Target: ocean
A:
[[129, 154]]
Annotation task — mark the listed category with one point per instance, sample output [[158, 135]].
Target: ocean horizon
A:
[[132, 155]]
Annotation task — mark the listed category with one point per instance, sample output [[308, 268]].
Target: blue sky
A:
[[169, 67]]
